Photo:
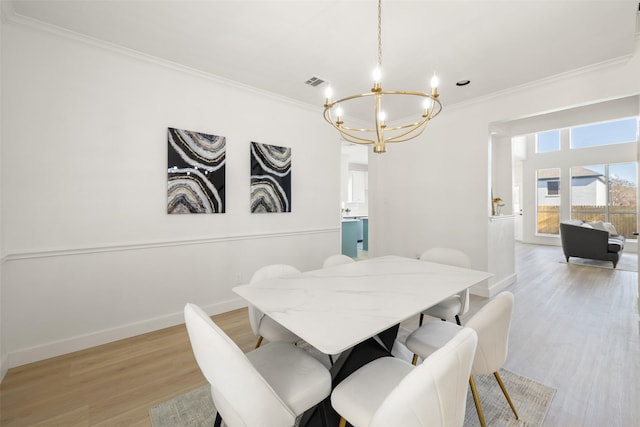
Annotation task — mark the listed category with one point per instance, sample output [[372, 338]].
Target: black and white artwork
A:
[[196, 172], [270, 178]]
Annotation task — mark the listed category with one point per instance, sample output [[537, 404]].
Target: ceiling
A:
[[276, 46]]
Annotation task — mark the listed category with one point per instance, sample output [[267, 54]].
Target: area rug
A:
[[626, 263], [531, 399]]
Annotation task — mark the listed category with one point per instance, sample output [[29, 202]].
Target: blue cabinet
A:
[[350, 231], [365, 234]]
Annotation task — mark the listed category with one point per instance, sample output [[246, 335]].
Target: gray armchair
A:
[[583, 241]]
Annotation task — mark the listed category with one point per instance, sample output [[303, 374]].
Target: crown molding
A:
[[546, 81], [16, 18]]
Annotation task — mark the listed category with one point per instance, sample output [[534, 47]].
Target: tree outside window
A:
[[606, 193]]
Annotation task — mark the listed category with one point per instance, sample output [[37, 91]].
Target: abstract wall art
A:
[[196, 172], [270, 178]]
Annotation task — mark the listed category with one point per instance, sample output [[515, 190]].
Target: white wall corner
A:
[[58, 348], [6, 10], [3, 353]]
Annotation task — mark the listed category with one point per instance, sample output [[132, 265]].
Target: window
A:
[[548, 141], [606, 193], [623, 204], [548, 205], [615, 132], [588, 193], [579, 184], [358, 186]]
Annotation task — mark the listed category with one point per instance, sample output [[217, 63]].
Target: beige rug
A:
[[628, 262], [531, 399]]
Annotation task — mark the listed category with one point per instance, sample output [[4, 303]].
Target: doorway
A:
[[354, 200]]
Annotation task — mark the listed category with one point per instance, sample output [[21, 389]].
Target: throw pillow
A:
[[610, 228], [598, 225]]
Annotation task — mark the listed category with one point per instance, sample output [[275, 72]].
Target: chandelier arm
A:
[[382, 92], [345, 129], [431, 115], [378, 145], [355, 139], [408, 130], [420, 122], [413, 133], [435, 99]]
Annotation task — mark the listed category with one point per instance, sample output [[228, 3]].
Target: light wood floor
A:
[[574, 328]]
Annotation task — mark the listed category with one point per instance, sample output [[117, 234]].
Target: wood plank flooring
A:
[[574, 328]]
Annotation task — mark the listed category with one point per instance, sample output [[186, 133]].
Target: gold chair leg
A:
[[343, 422], [504, 391], [476, 400], [415, 359], [259, 341]]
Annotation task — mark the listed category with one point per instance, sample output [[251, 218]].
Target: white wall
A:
[[3, 353], [435, 191], [91, 255]]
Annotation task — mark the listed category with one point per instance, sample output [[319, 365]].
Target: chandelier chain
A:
[[380, 33]]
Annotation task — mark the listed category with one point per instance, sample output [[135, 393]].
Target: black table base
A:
[[349, 361]]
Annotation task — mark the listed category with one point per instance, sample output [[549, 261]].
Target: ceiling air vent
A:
[[314, 81]]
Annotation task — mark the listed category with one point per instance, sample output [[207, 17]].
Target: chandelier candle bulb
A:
[[377, 76], [434, 85], [427, 106], [328, 94]]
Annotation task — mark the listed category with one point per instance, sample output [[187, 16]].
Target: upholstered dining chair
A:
[[391, 392], [337, 259], [263, 326], [456, 305], [267, 387], [492, 324]]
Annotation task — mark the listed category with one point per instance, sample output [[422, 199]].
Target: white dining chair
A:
[[391, 392], [492, 324], [263, 326], [267, 387], [456, 305], [337, 259]]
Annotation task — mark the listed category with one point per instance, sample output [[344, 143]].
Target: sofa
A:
[[591, 240]]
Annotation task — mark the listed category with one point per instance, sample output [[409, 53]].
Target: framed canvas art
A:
[[270, 178], [196, 172]]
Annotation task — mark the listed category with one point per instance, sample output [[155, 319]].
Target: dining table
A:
[[354, 310]]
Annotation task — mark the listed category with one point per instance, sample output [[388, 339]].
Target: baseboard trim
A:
[[497, 287], [83, 342], [488, 290], [3, 367]]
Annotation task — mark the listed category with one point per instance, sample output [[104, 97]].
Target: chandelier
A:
[[380, 131]]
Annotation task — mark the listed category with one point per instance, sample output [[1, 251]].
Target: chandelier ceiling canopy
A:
[[383, 128]]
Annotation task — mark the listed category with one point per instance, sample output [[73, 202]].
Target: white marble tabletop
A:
[[337, 307]]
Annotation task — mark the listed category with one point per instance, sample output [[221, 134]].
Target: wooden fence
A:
[[625, 222]]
